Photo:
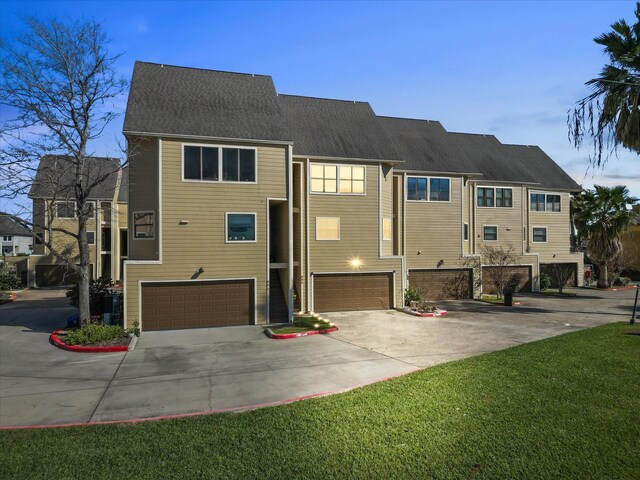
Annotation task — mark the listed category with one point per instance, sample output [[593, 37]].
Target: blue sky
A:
[[511, 69]]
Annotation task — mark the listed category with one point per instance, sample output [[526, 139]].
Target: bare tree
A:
[[560, 274], [497, 261], [60, 83]]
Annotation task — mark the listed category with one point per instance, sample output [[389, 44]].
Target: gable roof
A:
[[164, 99], [8, 226], [323, 127], [55, 177]]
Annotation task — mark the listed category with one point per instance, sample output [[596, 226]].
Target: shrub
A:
[[9, 280], [411, 295], [545, 281], [97, 291], [93, 333], [622, 281]]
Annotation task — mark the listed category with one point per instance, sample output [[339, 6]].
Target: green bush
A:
[[93, 333], [97, 291], [622, 281], [411, 295], [9, 280], [545, 281]]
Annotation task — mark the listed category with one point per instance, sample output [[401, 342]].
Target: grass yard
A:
[[304, 323], [566, 407]]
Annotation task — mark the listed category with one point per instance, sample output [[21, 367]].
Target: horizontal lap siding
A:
[[359, 232], [558, 245], [201, 242], [386, 208], [434, 229], [509, 221]]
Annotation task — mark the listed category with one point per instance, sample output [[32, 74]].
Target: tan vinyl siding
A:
[[508, 220], [143, 194], [466, 218], [359, 233], [434, 229], [201, 241], [386, 179]]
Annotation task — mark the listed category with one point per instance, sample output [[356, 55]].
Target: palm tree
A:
[[611, 114], [601, 215]]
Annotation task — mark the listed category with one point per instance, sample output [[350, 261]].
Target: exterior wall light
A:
[[355, 262]]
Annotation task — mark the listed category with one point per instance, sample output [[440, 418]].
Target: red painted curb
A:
[[205, 412], [82, 348], [286, 336], [441, 313], [613, 289]]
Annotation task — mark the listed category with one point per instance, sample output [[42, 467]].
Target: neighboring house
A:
[[245, 204], [15, 238], [54, 211]]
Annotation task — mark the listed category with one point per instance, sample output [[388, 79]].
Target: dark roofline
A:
[[409, 118], [161, 65], [323, 98]]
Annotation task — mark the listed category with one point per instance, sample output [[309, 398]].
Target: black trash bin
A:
[[508, 299]]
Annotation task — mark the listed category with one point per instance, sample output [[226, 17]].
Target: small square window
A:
[[485, 197], [537, 202], [490, 233], [386, 229], [553, 203], [439, 189], [241, 227], [539, 234], [143, 225], [91, 238], [66, 210], [504, 197], [324, 178], [327, 228], [416, 188]]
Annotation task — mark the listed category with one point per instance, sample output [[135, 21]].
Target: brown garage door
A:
[[557, 271], [352, 291], [442, 284], [56, 275], [170, 305], [517, 278]]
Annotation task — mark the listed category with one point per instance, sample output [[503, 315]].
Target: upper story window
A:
[[91, 238], [327, 228], [494, 197], [143, 225], [241, 227], [6, 238], [210, 164], [428, 189], [544, 202], [65, 209], [345, 179]]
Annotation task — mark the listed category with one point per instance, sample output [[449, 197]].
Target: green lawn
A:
[[567, 407], [304, 323]]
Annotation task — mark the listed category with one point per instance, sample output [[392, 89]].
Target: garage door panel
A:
[[518, 278], [351, 292], [442, 284], [197, 304]]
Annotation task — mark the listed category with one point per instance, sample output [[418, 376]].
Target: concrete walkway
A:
[[189, 371]]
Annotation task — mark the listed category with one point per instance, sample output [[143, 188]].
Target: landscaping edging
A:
[[439, 313], [610, 289], [286, 336], [10, 298], [84, 348]]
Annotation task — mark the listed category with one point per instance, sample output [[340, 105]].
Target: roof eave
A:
[[205, 137]]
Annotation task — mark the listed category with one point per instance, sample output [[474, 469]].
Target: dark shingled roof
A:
[[55, 177], [8, 226], [123, 194], [533, 161], [336, 128], [164, 99]]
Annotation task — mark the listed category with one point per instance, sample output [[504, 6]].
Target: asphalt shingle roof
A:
[[336, 128], [8, 226], [56, 175], [164, 99]]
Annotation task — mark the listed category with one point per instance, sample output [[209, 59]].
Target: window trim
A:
[[75, 209], [539, 192], [428, 178], [7, 238], [388, 238], [495, 198], [226, 227], [133, 223], [465, 231], [497, 232], [546, 233], [338, 192], [94, 237], [329, 239], [219, 147]]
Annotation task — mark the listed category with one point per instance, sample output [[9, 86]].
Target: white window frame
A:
[[387, 221], [546, 234], [495, 198], [219, 147], [497, 233], [428, 178], [133, 224], [329, 239], [94, 237], [226, 226], [538, 192], [338, 192], [75, 213], [7, 238]]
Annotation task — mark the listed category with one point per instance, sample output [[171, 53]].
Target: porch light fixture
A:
[[355, 262]]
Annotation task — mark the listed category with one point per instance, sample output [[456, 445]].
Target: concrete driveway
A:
[[188, 371], [472, 328]]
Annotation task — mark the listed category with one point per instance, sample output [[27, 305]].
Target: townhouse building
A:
[[55, 216], [246, 205]]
